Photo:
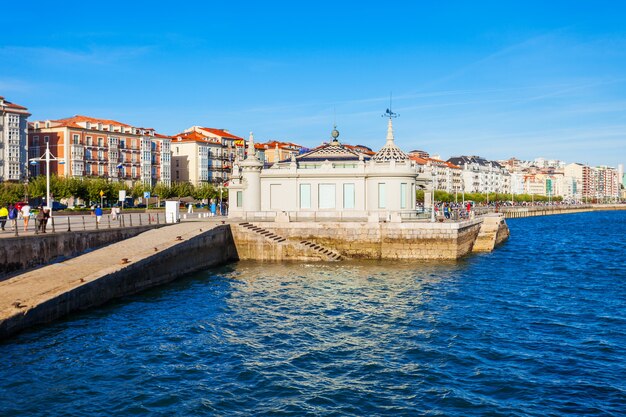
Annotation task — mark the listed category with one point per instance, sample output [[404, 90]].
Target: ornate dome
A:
[[390, 152]]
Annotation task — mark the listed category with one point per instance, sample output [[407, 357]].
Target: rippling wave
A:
[[537, 327]]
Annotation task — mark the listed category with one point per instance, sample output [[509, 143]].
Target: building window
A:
[[326, 195], [403, 188], [305, 196], [75, 139], [239, 198], [348, 196], [382, 198]]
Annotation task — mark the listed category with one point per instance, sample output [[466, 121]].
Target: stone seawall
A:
[[147, 260], [370, 240], [24, 252]]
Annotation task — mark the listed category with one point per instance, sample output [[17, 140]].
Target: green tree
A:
[[182, 189], [94, 186], [163, 191], [204, 192], [37, 187], [11, 192]]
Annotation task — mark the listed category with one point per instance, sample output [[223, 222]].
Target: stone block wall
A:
[[362, 240]]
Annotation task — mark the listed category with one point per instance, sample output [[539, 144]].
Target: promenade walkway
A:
[[76, 222]]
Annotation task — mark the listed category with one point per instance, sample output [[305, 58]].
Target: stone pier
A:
[[152, 258]]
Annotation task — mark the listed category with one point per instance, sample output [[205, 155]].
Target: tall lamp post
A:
[[432, 209], [47, 156]]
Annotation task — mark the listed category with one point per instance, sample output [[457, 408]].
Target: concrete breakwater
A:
[[152, 258], [531, 211], [23, 252]]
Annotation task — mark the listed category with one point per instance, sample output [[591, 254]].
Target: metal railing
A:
[[73, 223]]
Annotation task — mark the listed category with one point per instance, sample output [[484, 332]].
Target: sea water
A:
[[538, 327]]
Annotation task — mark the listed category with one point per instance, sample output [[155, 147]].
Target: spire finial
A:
[[335, 133], [391, 115], [251, 151]]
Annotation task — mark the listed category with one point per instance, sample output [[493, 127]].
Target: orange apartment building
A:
[[91, 147], [205, 154]]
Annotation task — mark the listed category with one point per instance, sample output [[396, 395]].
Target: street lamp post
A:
[[47, 156], [432, 209]]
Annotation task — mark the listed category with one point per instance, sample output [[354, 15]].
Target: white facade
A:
[[331, 181], [482, 176], [13, 141]]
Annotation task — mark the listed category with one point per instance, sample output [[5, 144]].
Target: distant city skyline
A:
[[538, 80]]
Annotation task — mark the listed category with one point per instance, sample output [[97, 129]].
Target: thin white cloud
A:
[[65, 57]]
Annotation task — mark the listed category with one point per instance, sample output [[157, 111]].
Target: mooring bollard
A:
[[15, 224], [52, 218], [140, 224], [84, 226], [157, 218], [130, 220], [69, 226]]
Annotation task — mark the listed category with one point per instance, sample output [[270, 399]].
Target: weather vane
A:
[[389, 113]]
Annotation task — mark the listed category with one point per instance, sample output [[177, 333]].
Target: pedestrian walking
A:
[[13, 215], [26, 215], [446, 210], [213, 208], [98, 213], [4, 214]]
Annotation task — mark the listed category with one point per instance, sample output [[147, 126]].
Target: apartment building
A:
[[446, 176], [91, 147], [205, 154], [480, 175], [276, 151], [13, 141]]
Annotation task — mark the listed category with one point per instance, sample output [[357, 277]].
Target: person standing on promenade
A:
[[46, 217], [39, 219], [213, 208], [98, 213], [42, 218], [4, 213], [13, 213], [190, 208], [26, 215], [114, 211]]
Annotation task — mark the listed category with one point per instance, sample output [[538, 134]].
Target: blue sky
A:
[[496, 79]]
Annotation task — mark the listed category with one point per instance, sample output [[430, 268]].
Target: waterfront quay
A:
[[145, 258]]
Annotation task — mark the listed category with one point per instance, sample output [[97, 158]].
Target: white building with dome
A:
[[329, 182]]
